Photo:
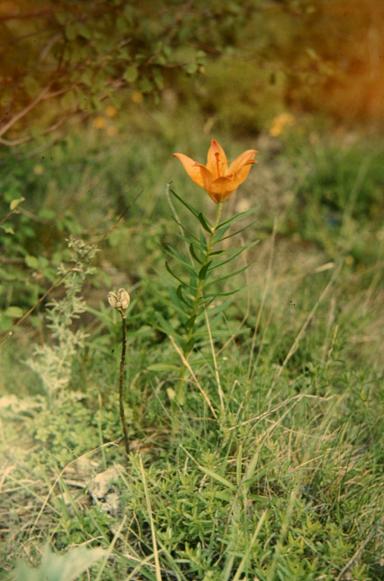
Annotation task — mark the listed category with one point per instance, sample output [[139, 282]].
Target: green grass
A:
[[286, 483]]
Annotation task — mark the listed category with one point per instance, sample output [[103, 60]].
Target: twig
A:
[[25, 15], [42, 95], [7, 216]]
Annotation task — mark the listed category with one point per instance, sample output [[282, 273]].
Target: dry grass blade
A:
[[195, 380], [151, 522]]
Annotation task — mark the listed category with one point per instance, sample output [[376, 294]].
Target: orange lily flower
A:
[[217, 177]]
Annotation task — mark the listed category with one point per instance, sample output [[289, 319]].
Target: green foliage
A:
[[69, 431], [90, 53]]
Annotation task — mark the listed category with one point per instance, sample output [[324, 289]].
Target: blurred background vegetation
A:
[[243, 62]]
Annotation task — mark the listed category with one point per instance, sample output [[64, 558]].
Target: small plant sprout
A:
[[198, 283], [120, 300]]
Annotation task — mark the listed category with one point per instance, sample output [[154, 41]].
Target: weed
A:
[[53, 363]]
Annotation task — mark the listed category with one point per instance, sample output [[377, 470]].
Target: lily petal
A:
[[192, 168], [245, 158], [205, 175], [217, 162], [221, 188], [241, 166]]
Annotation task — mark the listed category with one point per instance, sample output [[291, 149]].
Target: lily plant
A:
[[196, 270]]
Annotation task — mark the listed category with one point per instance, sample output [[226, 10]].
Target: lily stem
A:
[[197, 302], [122, 381]]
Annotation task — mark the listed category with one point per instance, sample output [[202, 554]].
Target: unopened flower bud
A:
[[119, 300]]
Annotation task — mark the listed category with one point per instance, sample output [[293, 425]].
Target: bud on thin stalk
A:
[[120, 300]]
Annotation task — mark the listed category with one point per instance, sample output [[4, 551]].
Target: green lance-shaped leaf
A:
[[184, 299], [178, 304], [174, 274], [193, 279], [213, 296], [198, 215], [239, 231], [179, 257], [217, 477], [216, 252], [194, 253], [227, 276], [188, 236], [203, 242], [204, 223], [234, 255], [162, 325], [231, 257], [203, 271], [223, 226], [190, 208], [237, 217]]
